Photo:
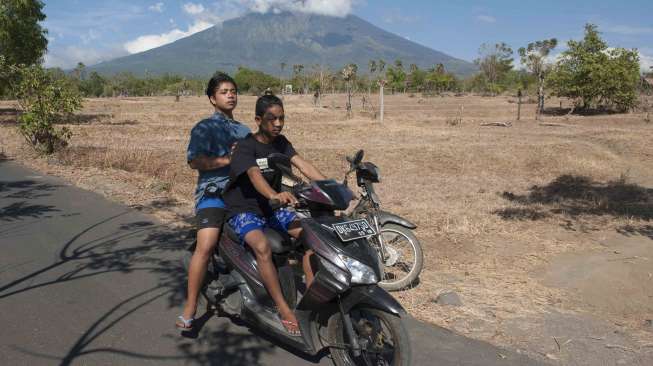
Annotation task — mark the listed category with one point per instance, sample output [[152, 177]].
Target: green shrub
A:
[[45, 99]]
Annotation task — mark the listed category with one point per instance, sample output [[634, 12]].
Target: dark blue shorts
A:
[[210, 213], [245, 222]]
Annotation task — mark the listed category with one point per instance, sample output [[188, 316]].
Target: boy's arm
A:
[[306, 168], [262, 186], [203, 162]]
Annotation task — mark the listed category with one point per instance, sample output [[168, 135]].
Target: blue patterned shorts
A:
[[245, 222]]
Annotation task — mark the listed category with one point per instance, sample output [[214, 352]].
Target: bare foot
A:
[[289, 321]]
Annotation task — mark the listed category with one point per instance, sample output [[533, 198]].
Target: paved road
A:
[[87, 281]]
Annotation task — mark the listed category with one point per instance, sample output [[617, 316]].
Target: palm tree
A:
[[283, 67], [372, 67]]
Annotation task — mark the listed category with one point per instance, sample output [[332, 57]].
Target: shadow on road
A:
[[573, 197], [222, 346], [25, 190], [120, 243]]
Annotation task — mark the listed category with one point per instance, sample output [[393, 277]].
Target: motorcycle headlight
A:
[[338, 273], [360, 273]]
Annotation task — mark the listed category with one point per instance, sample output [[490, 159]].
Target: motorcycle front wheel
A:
[[382, 336], [403, 260]]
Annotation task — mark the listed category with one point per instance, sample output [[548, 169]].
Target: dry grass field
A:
[[543, 228]]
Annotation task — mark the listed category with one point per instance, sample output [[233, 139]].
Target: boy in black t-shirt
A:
[[252, 184]]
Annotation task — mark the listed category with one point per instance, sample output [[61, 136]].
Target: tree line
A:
[[589, 72]]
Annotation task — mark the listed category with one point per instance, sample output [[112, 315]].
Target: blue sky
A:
[[91, 31]]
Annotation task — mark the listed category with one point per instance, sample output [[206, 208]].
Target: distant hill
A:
[[264, 41]]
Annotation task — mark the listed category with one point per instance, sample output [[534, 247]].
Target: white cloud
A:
[[89, 36], [68, 57], [486, 18], [630, 30], [398, 18], [645, 60], [193, 9], [147, 42], [221, 11], [337, 8], [158, 7]]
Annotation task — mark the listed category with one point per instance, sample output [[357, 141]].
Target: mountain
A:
[[264, 41]]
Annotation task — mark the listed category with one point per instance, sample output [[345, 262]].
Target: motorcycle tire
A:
[[408, 279], [342, 356]]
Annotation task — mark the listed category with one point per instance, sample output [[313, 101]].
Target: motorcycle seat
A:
[[279, 242], [230, 233]]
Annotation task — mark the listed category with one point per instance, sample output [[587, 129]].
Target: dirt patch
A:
[[616, 278]]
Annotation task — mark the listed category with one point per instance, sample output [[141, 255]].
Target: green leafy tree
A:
[[93, 86], [534, 58], [494, 61], [437, 79], [254, 81], [595, 75], [299, 77], [396, 76], [45, 99], [22, 39]]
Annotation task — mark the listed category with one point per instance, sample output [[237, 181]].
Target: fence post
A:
[[519, 104], [381, 106]]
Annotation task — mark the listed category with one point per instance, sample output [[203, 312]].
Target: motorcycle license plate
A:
[[352, 230]]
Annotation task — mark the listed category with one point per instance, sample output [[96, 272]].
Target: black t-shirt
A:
[[240, 194]]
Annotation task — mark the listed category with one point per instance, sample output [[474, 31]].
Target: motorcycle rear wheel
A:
[[387, 333], [404, 273]]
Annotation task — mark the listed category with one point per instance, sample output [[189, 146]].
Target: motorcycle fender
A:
[[371, 296], [387, 217]]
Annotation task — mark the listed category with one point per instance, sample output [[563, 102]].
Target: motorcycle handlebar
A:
[[275, 204]]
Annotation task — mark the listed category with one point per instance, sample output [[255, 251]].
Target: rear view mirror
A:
[[358, 157]]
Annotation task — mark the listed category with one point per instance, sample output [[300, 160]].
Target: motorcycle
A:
[[343, 310], [396, 244]]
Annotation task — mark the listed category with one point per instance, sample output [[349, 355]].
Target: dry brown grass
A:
[[490, 202]]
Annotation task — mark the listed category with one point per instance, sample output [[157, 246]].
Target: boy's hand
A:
[[285, 198]]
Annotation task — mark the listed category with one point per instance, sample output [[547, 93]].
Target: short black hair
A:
[[265, 102], [215, 82]]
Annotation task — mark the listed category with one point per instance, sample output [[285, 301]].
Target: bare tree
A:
[[349, 75], [494, 61], [534, 58], [298, 72]]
